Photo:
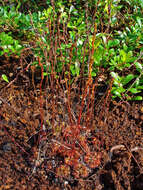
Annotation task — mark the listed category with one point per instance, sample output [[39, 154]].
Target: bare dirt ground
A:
[[118, 130]]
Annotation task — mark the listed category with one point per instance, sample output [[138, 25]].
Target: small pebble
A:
[[10, 74], [7, 147], [141, 117], [141, 109]]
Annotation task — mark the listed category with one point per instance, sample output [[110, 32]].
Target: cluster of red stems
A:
[[75, 146]]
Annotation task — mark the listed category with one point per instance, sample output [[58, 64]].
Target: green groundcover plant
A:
[[70, 37]]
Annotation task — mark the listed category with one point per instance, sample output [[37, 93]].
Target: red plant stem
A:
[[90, 103], [68, 102], [108, 93], [89, 82], [68, 85], [82, 105], [94, 88], [41, 97]]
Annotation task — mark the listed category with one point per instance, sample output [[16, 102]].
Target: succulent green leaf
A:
[[114, 75], [112, 43], [4, 77], [137, 98], [134, 90], [139, 67], [127, 79]]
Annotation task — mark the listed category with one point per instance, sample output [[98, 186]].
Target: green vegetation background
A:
[[79, 37]]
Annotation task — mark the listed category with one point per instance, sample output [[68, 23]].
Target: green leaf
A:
[[121, 89], [140, 87], [134, 90], [116, 93], [45, 74], [112, 43], [114, 75], [139, 21], [72, 69], [77, 69], [138, 66], [93, 74], [127, 79], [4, 77], [137, 98], [97, 43], [123, 55]]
